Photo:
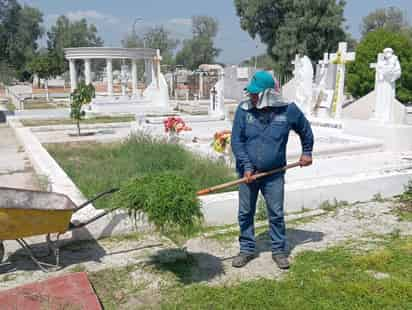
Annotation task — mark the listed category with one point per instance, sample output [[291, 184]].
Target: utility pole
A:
[[139, 19], [256, 56]]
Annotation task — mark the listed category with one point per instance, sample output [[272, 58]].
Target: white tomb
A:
[[155, 97]]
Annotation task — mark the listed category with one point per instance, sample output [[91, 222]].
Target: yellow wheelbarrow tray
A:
[[26, 213]]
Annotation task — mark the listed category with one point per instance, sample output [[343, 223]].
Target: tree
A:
[[392, 19], [131, 40], [263, 61], [20, 29], [361, 78], [44, 66], [159, 38], [82, 95], [291, 27], [204, 26], [66, 33], [200, 49]]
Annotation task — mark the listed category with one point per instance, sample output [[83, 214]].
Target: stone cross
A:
[[322, 71], [296, 63], [217, 97], [156, 61], [323, 64], [214, 93], [340, 59]]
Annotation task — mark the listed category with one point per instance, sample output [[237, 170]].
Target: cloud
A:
[[181, 21], [88, 14]]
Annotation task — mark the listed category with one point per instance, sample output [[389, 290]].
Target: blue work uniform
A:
[[259, 139]]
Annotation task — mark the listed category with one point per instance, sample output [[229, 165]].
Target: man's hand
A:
[[305, 161], [249, 177]]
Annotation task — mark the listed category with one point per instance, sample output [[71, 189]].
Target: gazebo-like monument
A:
[[150, 56]]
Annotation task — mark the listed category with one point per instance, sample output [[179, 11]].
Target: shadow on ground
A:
[[72, 253], [295, 237], [188, 267]]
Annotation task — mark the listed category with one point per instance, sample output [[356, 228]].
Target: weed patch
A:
[[404, 210], [335, 204], [97, 167]]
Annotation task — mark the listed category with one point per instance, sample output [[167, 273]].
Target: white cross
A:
[[325, 61], [296, 62]]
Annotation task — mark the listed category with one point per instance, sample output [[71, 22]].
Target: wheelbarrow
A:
[[26, 213]]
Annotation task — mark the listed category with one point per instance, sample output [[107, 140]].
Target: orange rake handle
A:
[[243, 180]]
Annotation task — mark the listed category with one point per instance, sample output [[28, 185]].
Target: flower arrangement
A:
[[175, 125], [221, 141]]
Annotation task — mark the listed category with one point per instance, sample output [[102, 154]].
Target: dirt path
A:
[[15, 168], [153, 262]]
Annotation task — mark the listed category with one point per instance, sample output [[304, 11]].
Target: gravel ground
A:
[[211, 255]]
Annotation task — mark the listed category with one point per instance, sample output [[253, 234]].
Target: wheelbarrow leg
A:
[[54, 248], [28, 250], [1, 251]]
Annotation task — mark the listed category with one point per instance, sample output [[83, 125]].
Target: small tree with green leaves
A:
[[82, 95], [44, 66]]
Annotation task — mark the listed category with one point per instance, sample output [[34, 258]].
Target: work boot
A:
[[242, 259], [281, 260]]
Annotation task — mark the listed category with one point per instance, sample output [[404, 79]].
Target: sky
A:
[[115, 18]]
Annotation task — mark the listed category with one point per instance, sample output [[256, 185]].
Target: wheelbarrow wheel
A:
[[1, 251]]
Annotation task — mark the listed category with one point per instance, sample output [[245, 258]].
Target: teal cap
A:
[[260, 81]]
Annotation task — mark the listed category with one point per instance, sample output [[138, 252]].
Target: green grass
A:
[[336, 278], [67, 121], [404, 209], [98, 167], [39, 105], [114, 286]]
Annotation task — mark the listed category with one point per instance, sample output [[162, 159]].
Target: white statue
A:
[[388, 70], [304, 83]]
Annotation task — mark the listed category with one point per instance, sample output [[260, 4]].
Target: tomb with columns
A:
[[154, 98]]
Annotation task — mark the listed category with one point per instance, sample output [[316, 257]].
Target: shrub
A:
[[169, 201], [406, 196], [82, 95]]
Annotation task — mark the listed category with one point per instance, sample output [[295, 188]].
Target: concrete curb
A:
[[83, 126], [112, 224]]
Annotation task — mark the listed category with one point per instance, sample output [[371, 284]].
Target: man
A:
[[259, 137]]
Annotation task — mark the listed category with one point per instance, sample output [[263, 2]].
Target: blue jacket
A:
[[259, 137]]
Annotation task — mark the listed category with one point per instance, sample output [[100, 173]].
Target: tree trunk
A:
[[78, 127], [46, 84]]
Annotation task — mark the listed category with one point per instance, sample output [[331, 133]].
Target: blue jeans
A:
[[272, 188]]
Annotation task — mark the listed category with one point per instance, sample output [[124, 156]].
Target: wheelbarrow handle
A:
[[113, 190], [73, 226], [243, 180]]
